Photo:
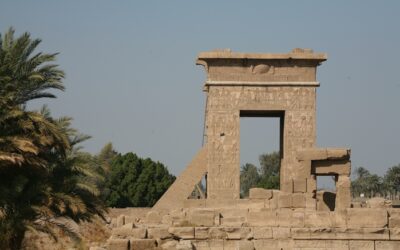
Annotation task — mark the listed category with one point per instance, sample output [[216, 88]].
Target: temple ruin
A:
[[294, 217]]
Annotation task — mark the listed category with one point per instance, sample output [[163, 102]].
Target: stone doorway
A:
[[261, 132]]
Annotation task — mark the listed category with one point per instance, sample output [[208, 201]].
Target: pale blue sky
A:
[[132, 79]]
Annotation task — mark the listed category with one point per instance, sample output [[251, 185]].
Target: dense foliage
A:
[[136, 182], [45, 181], [267, 176], [370, 185]]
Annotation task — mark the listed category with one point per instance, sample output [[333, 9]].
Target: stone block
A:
[[215, 244], [158, 233], [230, 244], [194, 203], [361, 244], [285, 200], [262, 217], [181, 223], [273, 203], [243, 245], [321, 244], [317, 219], [311, 202], [139, 233], [376, 233], [300, 185], [128, 230], [169, 245], [379, 202], [312, 154], [387, 245], [394, 233], [260, 193], [284, 217], [202, 217], [201, 233], [97, 248], [394, 217], [200, 245], [273, 244], [233, 221], [311, 184], [298, 200], [309, 244], [221, 203], [233, 217], [297, 219], [337, 244], [343, 193], [332, 167], [280, 233], [262, 232], [367, 217], [123, 231], [338, 153], [153, 217], [182, 232], [322, 233], [217, 233], [120, 220], [166, 220], [339, 218], [304, 169], [300, 233], [343, 198], [130, 219], [184, 245], [142, 244], [362, 233], [238, 233], [287, 186], [118, 244], [217, 219], [249, 204]]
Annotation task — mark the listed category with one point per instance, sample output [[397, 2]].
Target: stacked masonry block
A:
[[262, 228]]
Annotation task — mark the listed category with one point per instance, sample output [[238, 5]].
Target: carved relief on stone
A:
[[262, 69]]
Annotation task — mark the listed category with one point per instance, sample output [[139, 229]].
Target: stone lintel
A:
[[323, 154], [305, 54]]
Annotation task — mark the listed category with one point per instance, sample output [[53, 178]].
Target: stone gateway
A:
[[294, 217]]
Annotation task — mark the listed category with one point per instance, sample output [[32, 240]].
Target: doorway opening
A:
[[261, 149], [326, 192]]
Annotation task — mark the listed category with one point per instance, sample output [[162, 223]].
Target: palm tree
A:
[[392, 180], [45, 180], [24, 77]]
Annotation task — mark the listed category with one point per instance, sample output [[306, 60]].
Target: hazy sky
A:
[[132, 78]]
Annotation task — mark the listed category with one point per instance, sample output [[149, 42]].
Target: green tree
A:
[[366, 183], [270, 164], [45, 181], [136, 182], [270, 170], [392, 181], [249, 178]]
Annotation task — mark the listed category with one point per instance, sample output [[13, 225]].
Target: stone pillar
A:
[[343, 193]]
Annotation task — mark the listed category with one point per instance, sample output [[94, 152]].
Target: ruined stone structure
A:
[[294, 217]]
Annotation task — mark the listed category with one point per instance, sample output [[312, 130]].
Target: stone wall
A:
[[263, 228], [223, 131]]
